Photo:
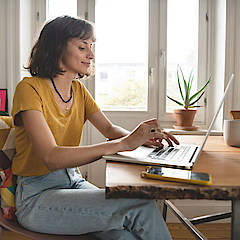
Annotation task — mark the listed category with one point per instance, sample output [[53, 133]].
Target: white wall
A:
[[3, 52], [232, 60], [16, 41], [10, 46], [217, 32], [30, 24], [26, 33]]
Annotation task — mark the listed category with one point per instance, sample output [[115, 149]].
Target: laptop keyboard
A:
[[170, 153]]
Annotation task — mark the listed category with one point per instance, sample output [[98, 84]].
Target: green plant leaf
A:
[[179, 85], [192, 97], [175, 101], [186, 100], [194, 106], [197, 99], [190, 80]]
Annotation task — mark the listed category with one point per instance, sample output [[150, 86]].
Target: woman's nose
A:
[[90, 54]]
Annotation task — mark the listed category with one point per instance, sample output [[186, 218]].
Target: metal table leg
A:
[[196, 233], [235, 223]]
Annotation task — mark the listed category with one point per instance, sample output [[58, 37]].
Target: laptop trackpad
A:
[[140, 151]]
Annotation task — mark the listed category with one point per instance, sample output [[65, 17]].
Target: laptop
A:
[[180, 156]]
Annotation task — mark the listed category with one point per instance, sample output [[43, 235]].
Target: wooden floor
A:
[[212, 231]]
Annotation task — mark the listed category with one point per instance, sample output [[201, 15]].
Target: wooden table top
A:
[[221, 161]]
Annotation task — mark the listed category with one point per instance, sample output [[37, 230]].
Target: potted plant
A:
[[186, 115]]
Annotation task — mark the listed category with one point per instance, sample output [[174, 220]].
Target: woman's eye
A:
[[81, 48]]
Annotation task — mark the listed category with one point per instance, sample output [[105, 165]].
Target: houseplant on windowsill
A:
[[186, 115]]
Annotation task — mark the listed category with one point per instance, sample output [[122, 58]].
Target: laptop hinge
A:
[[193, 154]]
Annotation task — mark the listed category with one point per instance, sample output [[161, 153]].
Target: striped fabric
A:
[[7, 179]]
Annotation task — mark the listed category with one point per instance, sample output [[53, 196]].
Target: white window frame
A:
[[202, 67], [156, 69], [152, 101]]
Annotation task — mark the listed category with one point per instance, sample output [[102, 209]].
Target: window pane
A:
[[182, 45], [121, 54], [57, 8]]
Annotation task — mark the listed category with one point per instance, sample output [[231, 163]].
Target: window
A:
[[182, 44], [150, 42], [122, 52], [57, 8], [182, 41], [137, 52]]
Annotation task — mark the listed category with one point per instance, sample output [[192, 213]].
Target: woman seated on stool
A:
[[49, 110]]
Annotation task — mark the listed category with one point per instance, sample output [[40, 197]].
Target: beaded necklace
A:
[[71, 94]]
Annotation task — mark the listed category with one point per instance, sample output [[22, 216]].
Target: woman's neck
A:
[[61, 85]]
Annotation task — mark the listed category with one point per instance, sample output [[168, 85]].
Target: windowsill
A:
[[198, 132]]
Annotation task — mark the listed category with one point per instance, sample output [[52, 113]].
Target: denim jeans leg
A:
[[54, 204]]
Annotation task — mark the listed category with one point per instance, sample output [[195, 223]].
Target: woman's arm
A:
[[109, 130], [59, 157]]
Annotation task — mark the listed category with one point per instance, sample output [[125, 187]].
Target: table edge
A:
[[174, 192]]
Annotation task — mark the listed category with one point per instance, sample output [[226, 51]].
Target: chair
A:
[[8, 185], [14, 226]]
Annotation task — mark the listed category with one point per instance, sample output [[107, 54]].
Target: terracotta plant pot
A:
[[185, 117]]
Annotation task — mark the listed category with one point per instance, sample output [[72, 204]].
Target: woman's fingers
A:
[[148, 133], [158, 136], [153, 142], [170, 136]]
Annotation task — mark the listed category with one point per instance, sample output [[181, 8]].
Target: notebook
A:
[[180, 156]]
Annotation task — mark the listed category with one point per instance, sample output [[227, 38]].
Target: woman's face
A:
[[78, 57]]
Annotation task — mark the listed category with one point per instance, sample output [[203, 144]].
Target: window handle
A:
[[163, 56]]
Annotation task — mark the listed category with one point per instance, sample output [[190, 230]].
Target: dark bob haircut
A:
[[51, 45]]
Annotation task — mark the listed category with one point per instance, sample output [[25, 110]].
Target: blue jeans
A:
[[61, 202]]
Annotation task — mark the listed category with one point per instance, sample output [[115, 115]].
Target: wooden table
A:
[[221, 161]]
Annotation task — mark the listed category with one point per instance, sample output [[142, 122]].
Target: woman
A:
[[49, 110]]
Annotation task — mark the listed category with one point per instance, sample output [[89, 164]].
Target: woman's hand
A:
[[147, 133], [169, 138]]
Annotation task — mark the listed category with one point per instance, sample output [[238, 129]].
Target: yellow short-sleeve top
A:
[[34, 93]]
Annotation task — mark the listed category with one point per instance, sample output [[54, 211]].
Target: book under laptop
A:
[[179, 156]]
